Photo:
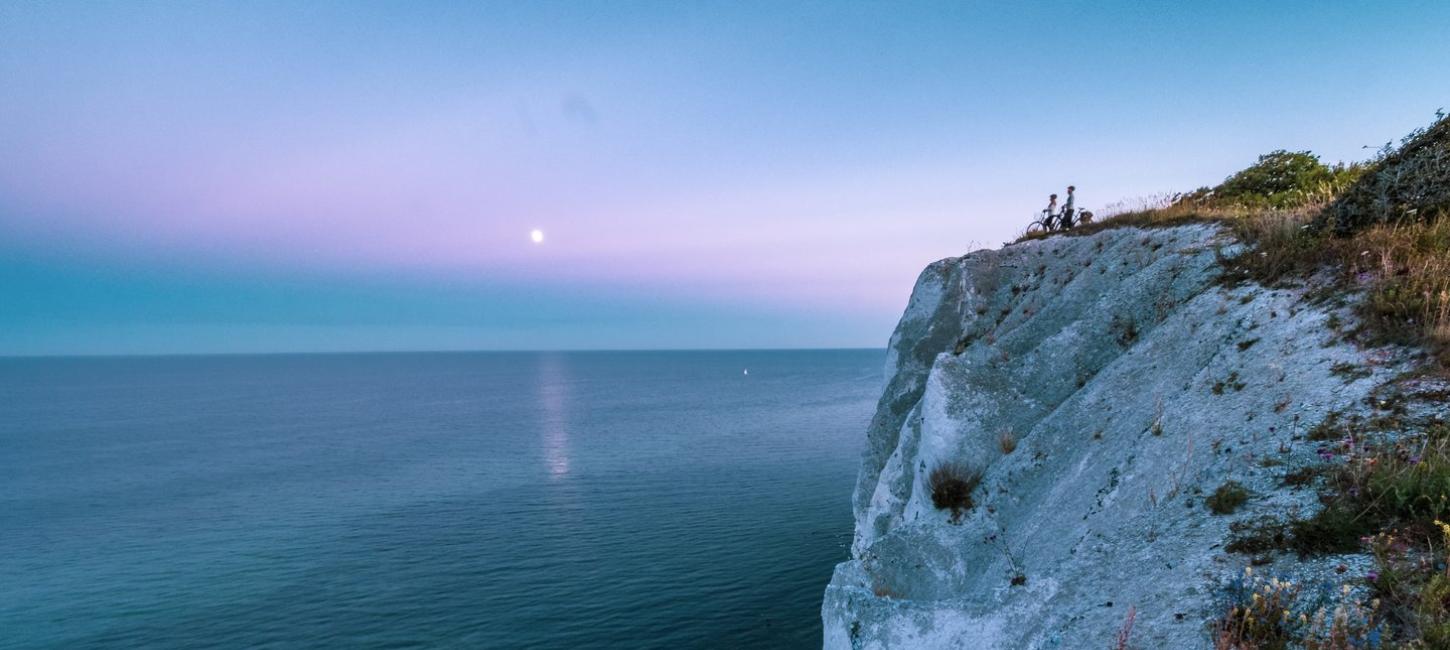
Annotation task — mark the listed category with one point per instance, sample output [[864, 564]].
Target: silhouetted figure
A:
[[1067, 209]]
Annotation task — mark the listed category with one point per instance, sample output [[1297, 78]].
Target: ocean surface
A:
[[498, 500]]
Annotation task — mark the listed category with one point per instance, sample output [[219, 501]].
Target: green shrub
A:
[[1433, 614], [1278, 180], [1393, 485], [1409, 488], [1407, 184]]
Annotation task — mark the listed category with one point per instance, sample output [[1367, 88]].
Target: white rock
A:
[[1065, 338]]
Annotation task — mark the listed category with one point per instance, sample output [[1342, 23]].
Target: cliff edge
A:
[[1106, 387]]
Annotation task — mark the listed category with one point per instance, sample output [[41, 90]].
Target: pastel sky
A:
[[316, 176]]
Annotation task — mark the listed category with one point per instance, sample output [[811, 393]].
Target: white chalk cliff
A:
[[1133, 383]]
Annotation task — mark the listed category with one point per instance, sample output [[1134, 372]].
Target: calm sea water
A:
[[552, 500]]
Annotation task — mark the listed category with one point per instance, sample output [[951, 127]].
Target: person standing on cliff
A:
[[1050, 213], [1067, 209]]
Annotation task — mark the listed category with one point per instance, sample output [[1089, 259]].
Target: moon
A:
[[537, 236]]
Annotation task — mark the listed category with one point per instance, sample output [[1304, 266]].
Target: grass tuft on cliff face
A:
[[951, 486], [1227, 498]]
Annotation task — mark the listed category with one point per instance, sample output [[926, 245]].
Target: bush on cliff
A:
[[1279, 180], [951, 486], [1407, 184]]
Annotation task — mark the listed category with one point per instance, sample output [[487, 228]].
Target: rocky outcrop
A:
[[1103, 385]]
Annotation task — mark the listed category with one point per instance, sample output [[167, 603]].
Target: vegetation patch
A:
[[1230, 382], [1273, 614], [1331, 428], [1302, 476], [1258, 536], [1406, 182], [1125, 329], [1402, 486], [1349, 371], [1227, 498], [1411, 581], [951, 486], [1401, 482], [1337, 528]]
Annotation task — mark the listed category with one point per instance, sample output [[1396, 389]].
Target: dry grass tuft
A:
[[1007, 442], [951, 485]]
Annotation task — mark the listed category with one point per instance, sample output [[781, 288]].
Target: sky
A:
[[338, 176]]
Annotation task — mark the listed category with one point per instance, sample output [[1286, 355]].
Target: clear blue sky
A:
[[199, 177]]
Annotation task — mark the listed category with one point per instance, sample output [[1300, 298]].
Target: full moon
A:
[[537, 236]]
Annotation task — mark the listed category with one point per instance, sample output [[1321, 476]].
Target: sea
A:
[[427, 500]]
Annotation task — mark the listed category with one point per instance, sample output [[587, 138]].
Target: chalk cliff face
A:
[[1104, 385]]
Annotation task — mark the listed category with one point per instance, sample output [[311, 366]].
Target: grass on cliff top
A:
[[1380, 227]]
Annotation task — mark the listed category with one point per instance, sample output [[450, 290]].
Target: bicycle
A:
[[1048, 223]]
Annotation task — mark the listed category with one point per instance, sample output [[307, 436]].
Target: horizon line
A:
[[154, 355]]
